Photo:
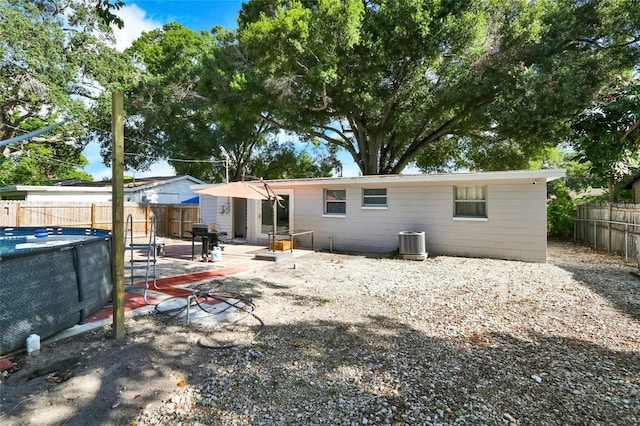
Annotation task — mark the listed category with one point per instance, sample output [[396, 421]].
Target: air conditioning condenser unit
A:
[[412, 245]]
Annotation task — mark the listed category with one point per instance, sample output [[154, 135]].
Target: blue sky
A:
[[195, 14], [145, 15]]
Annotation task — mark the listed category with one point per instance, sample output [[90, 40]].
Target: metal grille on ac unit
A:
[[412, 245]]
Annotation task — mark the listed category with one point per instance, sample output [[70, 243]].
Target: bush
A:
[[561, 211]]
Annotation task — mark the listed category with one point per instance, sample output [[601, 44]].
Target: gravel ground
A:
[[356, 340]]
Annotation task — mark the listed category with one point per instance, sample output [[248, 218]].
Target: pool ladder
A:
[[143, 266]]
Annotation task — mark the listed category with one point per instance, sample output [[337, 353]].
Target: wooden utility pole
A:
[[117, 212]]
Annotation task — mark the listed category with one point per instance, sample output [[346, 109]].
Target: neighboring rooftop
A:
[[128, 182]]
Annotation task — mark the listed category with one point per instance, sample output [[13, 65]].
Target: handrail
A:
[[608, 221]]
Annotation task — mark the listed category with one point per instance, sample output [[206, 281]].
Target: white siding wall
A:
[[167, 193], [515, 228], [211, 212], [209, 209], [70, 197], [224, 220], [254, 211]]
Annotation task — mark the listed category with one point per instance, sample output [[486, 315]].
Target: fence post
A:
[[609, 228], [181, 222], [117, 214], [168, 215], [626, 240], [586, 225], [146, 219], [595, 234], [93, 215], [18, 213]]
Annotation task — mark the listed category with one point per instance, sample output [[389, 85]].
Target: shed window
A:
[[374, 197], [470, 201], [335, 201]]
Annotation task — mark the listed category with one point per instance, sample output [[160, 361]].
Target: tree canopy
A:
[[606, 136], [448, 84], [54, 58], [164, 112], [483, 84], [194, 119]]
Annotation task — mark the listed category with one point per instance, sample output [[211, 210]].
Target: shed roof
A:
[[140, 183], [130, 185]]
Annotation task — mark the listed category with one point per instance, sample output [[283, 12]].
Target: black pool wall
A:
[[46, 290]]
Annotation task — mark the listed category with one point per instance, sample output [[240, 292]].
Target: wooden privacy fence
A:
[[609, 226], [172, 220]]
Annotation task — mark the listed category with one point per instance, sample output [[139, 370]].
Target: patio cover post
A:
[[275, 222]]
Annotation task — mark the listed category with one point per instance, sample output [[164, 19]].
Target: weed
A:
[[461, 413]]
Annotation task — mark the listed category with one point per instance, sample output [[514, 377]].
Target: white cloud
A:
[[103, 174], [135, 23], [161, 168]]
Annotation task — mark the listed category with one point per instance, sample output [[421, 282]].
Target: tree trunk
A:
[[614, 190]]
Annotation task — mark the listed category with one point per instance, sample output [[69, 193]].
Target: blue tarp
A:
[[194, 200]]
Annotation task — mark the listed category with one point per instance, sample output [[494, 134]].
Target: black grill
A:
[[199, 229], [208, 234]]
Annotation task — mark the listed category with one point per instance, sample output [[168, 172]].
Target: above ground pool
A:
[[50, 279]]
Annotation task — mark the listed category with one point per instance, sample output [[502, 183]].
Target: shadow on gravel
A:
[[251, 288], [606, 275], [331, 372]]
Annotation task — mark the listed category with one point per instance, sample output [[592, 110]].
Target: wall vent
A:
[[412, 245]]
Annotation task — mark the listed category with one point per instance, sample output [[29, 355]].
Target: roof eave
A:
[[547, 174]]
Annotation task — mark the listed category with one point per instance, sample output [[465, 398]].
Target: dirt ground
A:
[[94, 379], [317, 301]]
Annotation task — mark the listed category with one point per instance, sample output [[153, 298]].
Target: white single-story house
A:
[[488, 214], [156, 190]]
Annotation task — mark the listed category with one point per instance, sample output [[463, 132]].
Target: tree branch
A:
[[631, 129], [424, 138], [325, 102], [321, 135], [20, 119], [52, 139], [602, 46], [390, 105], [360, 132]]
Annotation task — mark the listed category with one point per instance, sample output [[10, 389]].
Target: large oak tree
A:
[[390, 81], [196, 120]]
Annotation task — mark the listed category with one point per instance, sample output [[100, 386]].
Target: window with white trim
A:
[[374, 197], [335, 201], [470, 201]]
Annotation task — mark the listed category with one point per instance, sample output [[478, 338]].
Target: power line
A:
[[226, 161], [146, 143]]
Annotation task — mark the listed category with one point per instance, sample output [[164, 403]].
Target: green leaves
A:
[[53, 64], [104, 9], [278, 160], [606, 134], [387, 80]]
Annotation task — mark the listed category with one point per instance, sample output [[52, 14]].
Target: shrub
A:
[[561, 212]]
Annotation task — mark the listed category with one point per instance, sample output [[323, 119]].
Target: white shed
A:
[[489, 214], [157, 190]]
